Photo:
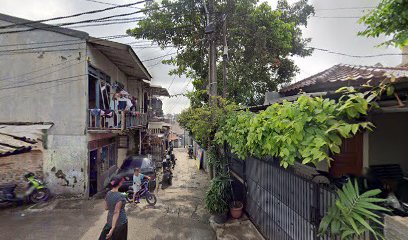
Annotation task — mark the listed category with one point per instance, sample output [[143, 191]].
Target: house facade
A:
[[95, 93], [290, 203]]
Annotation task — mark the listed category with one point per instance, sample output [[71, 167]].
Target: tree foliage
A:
[[390, 18], [204, 121], [309, 129], [353, 214], [261, 42]]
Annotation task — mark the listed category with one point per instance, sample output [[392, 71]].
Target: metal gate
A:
[[283, 205]]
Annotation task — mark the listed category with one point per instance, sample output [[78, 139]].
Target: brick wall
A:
[[13, 167]]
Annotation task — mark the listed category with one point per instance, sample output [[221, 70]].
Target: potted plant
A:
[[217, 198], [236, 209]]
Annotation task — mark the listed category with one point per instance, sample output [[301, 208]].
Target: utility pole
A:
[[212, 58], [225, 58], [212, 50]]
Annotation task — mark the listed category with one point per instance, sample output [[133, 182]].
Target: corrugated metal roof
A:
[[159, 91], [20, 138], [123, 56], [346, 75]]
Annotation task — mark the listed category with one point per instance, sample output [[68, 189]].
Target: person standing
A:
[[116, 226]]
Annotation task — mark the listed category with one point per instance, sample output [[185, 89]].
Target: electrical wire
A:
[[4, 78], [151, 59], [73, 15], [343, 8], [42, 82], [43, 51], [110, 4], [42, 75], [357, 56], [86, 21]]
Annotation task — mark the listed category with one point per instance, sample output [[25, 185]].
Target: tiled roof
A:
[[20, 138], [345, 75]]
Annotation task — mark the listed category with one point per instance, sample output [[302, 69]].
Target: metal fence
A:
[[282, 204]]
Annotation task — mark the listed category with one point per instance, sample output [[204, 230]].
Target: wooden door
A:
[[350, 159]]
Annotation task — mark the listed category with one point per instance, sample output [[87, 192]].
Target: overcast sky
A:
[[334, 27]]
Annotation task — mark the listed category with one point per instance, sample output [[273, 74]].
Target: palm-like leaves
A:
[[350, 217]]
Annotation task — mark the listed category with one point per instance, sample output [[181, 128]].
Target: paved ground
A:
[[178, 214]]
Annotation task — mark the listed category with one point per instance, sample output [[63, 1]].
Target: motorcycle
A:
[[167, 173], [190, 152], [36, 191], [173, 160]]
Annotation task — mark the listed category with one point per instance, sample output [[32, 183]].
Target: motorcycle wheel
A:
[[151, 199], [40, 195], [170, 180]]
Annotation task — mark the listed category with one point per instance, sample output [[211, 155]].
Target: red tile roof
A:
[[345, 75]]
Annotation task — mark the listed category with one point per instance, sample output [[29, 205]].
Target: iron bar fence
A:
[[281, 203]]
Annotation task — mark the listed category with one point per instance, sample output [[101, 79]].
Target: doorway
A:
[[93, 172]]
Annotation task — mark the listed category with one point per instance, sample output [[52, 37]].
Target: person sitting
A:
[[137, 183]]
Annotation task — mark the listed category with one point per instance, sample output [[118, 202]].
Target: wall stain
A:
[[61, 175]]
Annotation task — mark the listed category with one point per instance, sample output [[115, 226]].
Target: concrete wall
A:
[[49, 85], [66, 164], [405, 57], [387, 143]]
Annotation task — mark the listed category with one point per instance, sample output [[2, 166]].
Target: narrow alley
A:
[[178, 214]]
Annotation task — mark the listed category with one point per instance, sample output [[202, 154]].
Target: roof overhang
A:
[[159, 91], [41, 26], [16, 139], [123, 56]]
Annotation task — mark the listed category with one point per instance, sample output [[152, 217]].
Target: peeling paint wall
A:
[[50, 86], [66, 164]]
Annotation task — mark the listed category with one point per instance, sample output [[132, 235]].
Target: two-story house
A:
[[93, 92]]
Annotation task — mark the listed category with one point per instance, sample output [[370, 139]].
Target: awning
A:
[[21, 138], [159, 91]]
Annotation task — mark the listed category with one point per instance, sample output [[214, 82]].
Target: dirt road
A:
[[178, 214]]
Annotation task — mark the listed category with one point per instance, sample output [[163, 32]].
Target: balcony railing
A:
[[115, 120]]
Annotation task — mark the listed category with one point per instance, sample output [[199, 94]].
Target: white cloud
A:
[[329, 33]]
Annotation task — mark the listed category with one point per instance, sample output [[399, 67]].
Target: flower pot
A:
[[221, 218], [236, 209]]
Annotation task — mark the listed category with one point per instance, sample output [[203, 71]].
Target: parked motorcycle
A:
[[35, 192], [190, 152], [173, 160], [167, 173]]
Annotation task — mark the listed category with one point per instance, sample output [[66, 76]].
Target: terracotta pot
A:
[[236, 209]]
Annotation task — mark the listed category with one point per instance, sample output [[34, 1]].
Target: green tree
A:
[[261, 42], [390, 18]]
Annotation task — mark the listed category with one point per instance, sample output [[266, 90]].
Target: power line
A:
[[43, 51], [172, 81], [45, 74], [343, 8], [42, 82], [346, 17], [357, 56], [151, 59], [3, 78], [110, 4], [41, 89], [87, 21], [71, 16]]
